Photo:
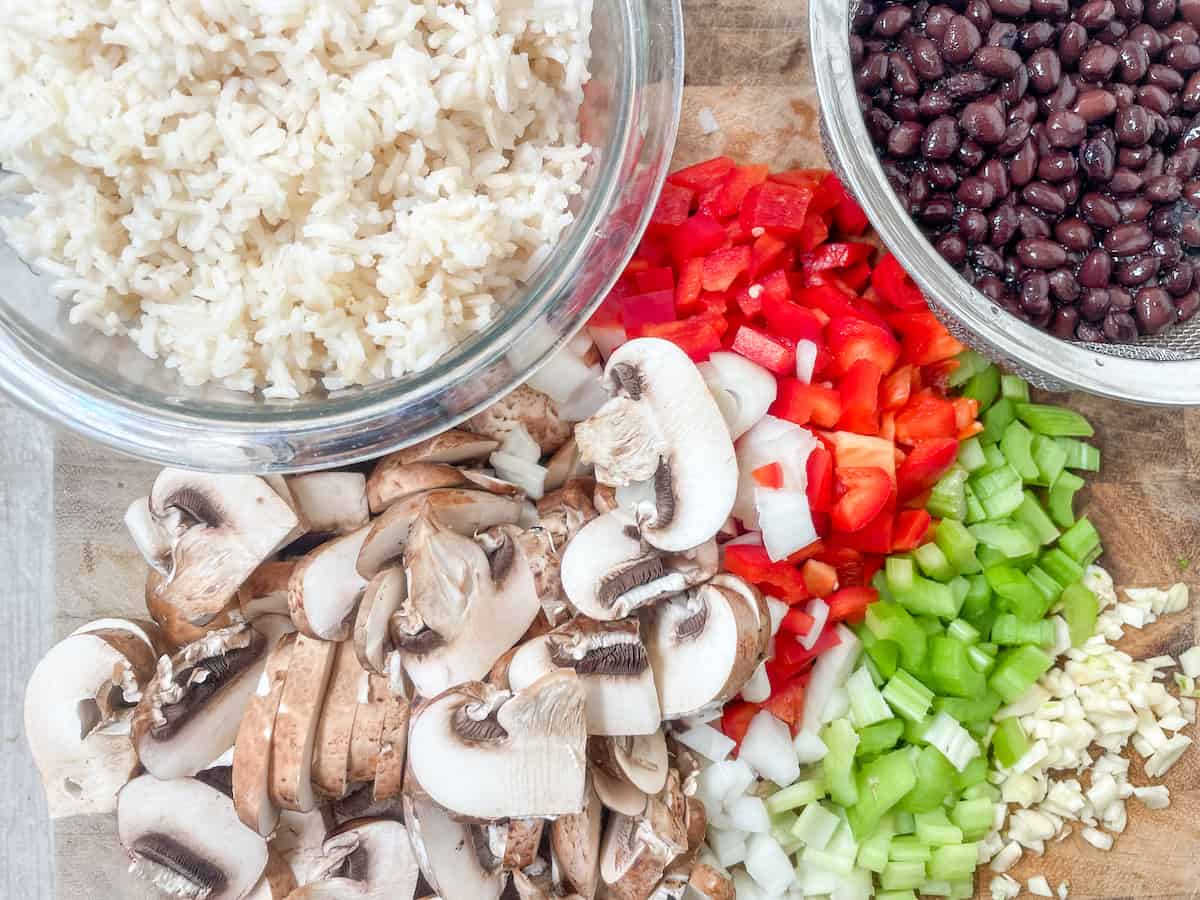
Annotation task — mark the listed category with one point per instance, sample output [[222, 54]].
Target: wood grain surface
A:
[[748, 64]]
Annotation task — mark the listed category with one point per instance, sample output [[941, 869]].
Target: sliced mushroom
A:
[[564, 512], [575, 846], [526, 407], [366, 736], [325, 587], [384, 595], [171, 621], [539, 549], [641, 759], [488, 754], [296, 723], [703, 647], [277, 882], [565, 465], [144, 630], [463, 610], [613, 668], [252, 748], [464, 511], [221, 528], [662, 426], [184, 837], [77, 707], [754, 600], [335, 723], [710, 882], [618, 793], [637, 850], [521, 838], [299, 838], [360, 803], [375, 855], [490, 482], [604, 498], [190, 712], [149, 536], [331, 502], [392, 481], [696, 827], [607, 572], [265, 592], [393, 745], [453, 856]]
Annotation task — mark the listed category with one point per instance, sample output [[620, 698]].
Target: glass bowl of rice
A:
[[405, 219]]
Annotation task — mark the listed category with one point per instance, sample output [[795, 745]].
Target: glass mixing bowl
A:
[[1164, 370], [104, 389]]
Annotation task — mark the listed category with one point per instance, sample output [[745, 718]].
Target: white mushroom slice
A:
[[221, 527], [464, 511], [642, 759], [564, 512], [710, 882], [296, 723], [618, 793], [663, 424], [456, 445], [488, 754], [184, 837], [393, 746], [325, 587], [366, 736], [392, 481], [77, 707], [384, 595], [703, 647], [463, 610], [490, 482], [605, 499], [277, 882], [299, 838], [636, 851], [522, 837], [565, 465], [527, 408], [335, 723], [695, 820], [265, 592], [540, 552], [252, 748], [375, 854], [151, 539], [755, 600], [453, 857], [331, 502], [190, 712], [613, 668], [575, 846], [171, 621], [144, 630]]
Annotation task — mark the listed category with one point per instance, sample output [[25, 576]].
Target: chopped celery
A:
[[980, 708], [879, 737], [1061, 498], [993, 459], [896, 895], [900, 571], [1050, 458], [1016, 592], [935, 782], [873, 852], [995, 419], [1009, 741], [984, 387], [970, 455], [1080, 539], [908, 847], [1080, 607], [933, 562], [1061, 567], [952, 740], [931, 625], [914, 731], [927, 597], [1054, 421], [815, 826], [1009, 630], [1017, 670], [1047, 586], [904, 822], [954, 862], [877, 678], [974, 817], [975, 510], [879, 582], [881, 783], [980, 658], [781, 827], [982, 789], [1014, 388], [970, 363], [838, 765], [961, 889], [950, 671], [892, 622], [957, 544], [830, 862], [959, 586], [962, 630], [801, 793], [978, 599], [907, 696], [1017, 446], [1005, 537], [974, 774], [885, 655], [1080, 454], [1031, 514], [1000, 490], [867, 705], [936, 830], [902, 875], [988, 647], [948, 500], [935, 889]]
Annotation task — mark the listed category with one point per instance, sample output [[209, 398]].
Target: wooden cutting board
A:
[[747, 62]]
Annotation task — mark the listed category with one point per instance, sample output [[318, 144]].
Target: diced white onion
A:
[[768, 865], [777, 610], [1006, 858], [806, 359], [1040, 887], [1189, 661], [758, 688], [528, 476], [749, 814], [767, 748], [518, 442], [809, 747], [785, 520], [748, 389], [818, 609], [1155, 797], [831, 670], [708, 742], [837, 706], [771, 440], [1098, 839], [1003, 888], [729, 847]]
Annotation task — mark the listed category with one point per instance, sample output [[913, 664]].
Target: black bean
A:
[[1012, 8], [1189, 231], [1112, 33], [1057, 167], [892, 20], [953, 249], [1054, 9], [1166, 222], [1074, 234], [1094, 105], [926, 60], [1177, 280], [1155, 99], [1030, 223], [1186, 306], [1097, 159], [1168, 250], [1093, 304], [1062, 97], [1045, 70], [942, 175], [918, 189], [1165, 77], [970, 154], [973, 227], [1071, 43], [1124, 94], [1191, 193], [1134, 209], [991, 287], [1126, 239], [1099, 211], [1160, 12], [873, 71], [1132, 126], [963, 85], [976, 193], [1003, 35], [1095, 270], [941, 139], [936, 21], [1137, 271], [906, 109], [994, 172], [980, 13], [1045, 197], [1135, 62], [1041, 253], [1003, 225], [1013, 90], [1063, 285], [1023, 164], [1191, 134], [934, 103], [905, 139], [1089, 333], [983, 122], [997, 61], [1064, 322], [1189, 100], [1065, 129], [987, 259], [1071, 189], [1183, 58], [1164, 189], [1154, 309], [1129, 10], [1119, 327], [1119, 298], [1095, 14], [1124, 182], [938, 210], [1098, 62], [960, 40]]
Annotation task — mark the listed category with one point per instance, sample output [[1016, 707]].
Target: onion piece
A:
[[809, 747], [831, 670], [707, 741], [771, 440], [767, 748], [806, 359], [818, 609], [758, 688], [749, 814], [743, 389], [768, 865], [786, 521]]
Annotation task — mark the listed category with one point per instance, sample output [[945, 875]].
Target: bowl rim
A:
[[990, 328], [343, 430]]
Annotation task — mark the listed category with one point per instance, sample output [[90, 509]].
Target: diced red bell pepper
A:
[[776, 354], [819, 469], [698, 236], [775, 287], [751, 563], [876, 536], [736, 187], [887, 425], [655, 250], [970, 431], [925, 416], [859, 390], [821, 578], [894, 285], [645, 309], [813, 179], [937, 375], [850, 565], [768, 476], [826, 405], [852, 451], [671, 211], [793, 401], [696, 336], [787, 703], [925, 340], [850, 604], [765, 253], [793, 657], [796, 621], [749, 300], [896, 388], [966, 411], [687, 289], [834, 255], [912, 525], [793, 322], [833, 301], [808, 550], [863, 493], [925, 464], [704, 175], [779, 208], [855, 277], [649, 281], [851, 338], [813, 233], [848, 216], [735, 720], [722, 267]]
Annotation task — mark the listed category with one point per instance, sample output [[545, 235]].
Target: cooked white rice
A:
[[281, 193]]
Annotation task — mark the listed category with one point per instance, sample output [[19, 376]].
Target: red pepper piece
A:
[[833, 301], [703, 175], [765, 252], [696, 336], [671, 211], [859, 390], [790, 320], [796, 621], [850, 338], [698, 236], [735, 188], [645, 309], [793, 401], [864, 492], [848, 216], [793, 656], [778, 208], [655, 250], [835, 255], [650, 280], [769, 476], [813, 233], [787, 703], [819, 487], [735, 720], [850, 604], [925, 464], [812, 179], [751, 563], [894, 285], [821, 578], [896, 388], [925, 416], [854, 451], [722, 267], [875, 537], [687, 290], [855, 277], [924, 338], [774, 353], [966, 411], [912, 525], [937, 375], [748, 301], [776, 287], [849, 563]]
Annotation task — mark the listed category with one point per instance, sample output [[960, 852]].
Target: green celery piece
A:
[[1050, 458], [796, 795], [1008, 630], [975, 510], [974, 774], [930, 624], [1060, 566], [973, 817], [781, 827], [1014, 388], [892, 622], [838, 764], [880, 785], [1003, 503], [957, 545], [873, 852], [1061, 498], [1092, 555], [927, 597], [993, 459], [979, 708], [1017, 670], [980, 658], [899, 572], [982, 789], [907, 696], [1080, 608], [969, 363], [877, 678], [908, 847], [954, 862], [970, 454], [964, 631], [932, 561], [898, 876], [1054, 421], [935, 782], [879, 582], [1009, 741], [1016, 592], [983, 387], [935, 829], [979, 597], [878, 737], [948, 498], [1080, 539], [950, 670], [885, 655], [1017, 446], [914, 731], [994, 481], [961, 889], [1001, 414], [896, 895], [903, 822], [867, 705], [1080, 454], [1049, 588], [988, 647], [959, 586], [1005, 537], [1031, 514]]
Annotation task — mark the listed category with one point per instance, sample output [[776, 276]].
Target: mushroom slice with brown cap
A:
[[488, 754], [335, 723], [613, 668], [296, 723], [393, 481], [462, 510], [252, 748], [618, 793], [331, 502], [567, 510], [703, 647], [463, 609], [299, 838], [526, 407], [662, 426], [453, 856], [173, 624], [190, 712], [144, 630], [636, 851], [265, 592], [385, 593], [754, 600], [710, 882], [642, 759], [522, 838], [325, 587], [184, 837], [455, 445], [374, 854], [221, 528], [565, 465], [277, 881], [575, 846], [393, 746], [151, 539], [695, 819], [366, 736]]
